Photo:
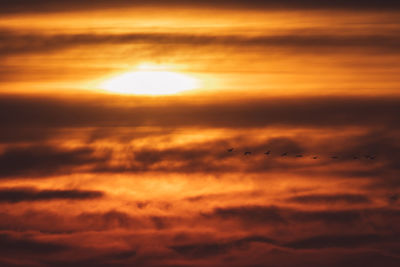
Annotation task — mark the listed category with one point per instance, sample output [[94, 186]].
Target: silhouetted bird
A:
[[394, 198], [372, 157], [268, 152], [355, 157], [315, 157], [247, 153], [334, 157], [299, 156], [284, 154], [230, 150]]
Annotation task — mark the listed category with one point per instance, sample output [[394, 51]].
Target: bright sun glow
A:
[[154, 81]]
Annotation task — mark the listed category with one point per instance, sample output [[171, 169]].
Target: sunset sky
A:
[[117, 119]]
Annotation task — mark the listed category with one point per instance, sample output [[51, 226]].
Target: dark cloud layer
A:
[[201, 250], [263, 215], [352, 241], [43, 160], [42, 6], [44, 117], [20, 43], [50, 222], [356, 236], [13, 245], [14, 195], [321, 198], [210, 249], [25, 134], [311, 111], [108, 220], [212, 157]]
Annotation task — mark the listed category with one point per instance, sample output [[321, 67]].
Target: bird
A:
[[372, 157], [268, 152], [230, 150], [334, 157], [247, 153], [299, 156], [284, 154], [393, 198], [355, 157], [315, 157]]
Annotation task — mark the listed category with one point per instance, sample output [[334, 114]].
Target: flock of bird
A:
[[267, 153]]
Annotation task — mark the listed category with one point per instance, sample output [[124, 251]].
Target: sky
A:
[[125, 127]]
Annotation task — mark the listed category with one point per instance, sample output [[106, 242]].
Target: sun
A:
[[151, 80]]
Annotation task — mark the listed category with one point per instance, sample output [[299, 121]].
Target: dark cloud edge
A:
[[47, 6], [21, 42], [24, 194], [108, 111]]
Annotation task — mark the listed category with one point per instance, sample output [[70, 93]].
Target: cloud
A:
[[211, 157], [45, 6], [26, 134], [15, 42], [43, 160], [14, 245], [49, 222], [275, 215], [376, 117], [221, 196], [26, 250], [121, 258], [201, 250], [324, 198], [109, 220], [251, 214], [209, 249], [344, 241], [273, 111], [18, 194], [215, 248]]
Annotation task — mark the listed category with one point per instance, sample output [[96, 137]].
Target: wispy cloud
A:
[[15, 195], [44, 6], [22, 43]]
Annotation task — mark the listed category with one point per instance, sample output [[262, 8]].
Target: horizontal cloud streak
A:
[[61, 222], [211, 156], [14, 245], [320, 198], [17, 43], [43, 6], [201, 250], [43, 160], [321, 242], [274, 215], [14, 195], [301, 111]]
